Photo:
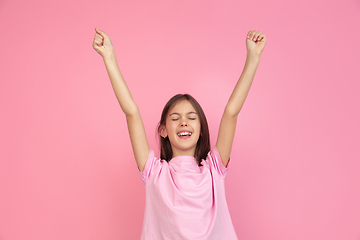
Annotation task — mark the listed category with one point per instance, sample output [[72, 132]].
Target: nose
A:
[[183, 123]]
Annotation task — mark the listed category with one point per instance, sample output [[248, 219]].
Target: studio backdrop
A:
[[67, 169]]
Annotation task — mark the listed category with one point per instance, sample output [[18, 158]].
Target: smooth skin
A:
[[139, 142], [255, 44], [182, 118]]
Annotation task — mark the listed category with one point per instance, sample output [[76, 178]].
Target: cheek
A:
[[198, 128], [170, 127]]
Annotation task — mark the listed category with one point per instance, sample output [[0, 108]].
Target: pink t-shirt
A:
[[185, 201]]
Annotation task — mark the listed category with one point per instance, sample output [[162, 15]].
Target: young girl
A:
[[185, 194]]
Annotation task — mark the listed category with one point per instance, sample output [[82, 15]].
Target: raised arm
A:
[[141, 149], [255, 43]]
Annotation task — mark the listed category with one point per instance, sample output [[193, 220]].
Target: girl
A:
[[185, 194]]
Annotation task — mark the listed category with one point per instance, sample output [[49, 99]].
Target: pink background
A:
[[67, 169]]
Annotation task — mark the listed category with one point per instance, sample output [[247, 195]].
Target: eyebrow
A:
[[175, 113]]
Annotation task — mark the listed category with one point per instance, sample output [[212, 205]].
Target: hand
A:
[[102, 43], [255, 42]]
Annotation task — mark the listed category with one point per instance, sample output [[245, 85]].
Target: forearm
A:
[[243, 85], [118, 83], [255, 43]]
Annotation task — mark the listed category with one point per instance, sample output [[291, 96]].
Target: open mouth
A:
[[184, 134]]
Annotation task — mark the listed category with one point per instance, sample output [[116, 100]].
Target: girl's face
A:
[[183, 129]]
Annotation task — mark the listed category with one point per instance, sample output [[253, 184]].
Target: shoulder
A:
[[152, 164], [214, 160]]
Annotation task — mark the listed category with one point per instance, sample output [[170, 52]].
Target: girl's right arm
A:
[[140, 145]]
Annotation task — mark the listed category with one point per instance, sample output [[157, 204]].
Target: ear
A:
[[163, 132]]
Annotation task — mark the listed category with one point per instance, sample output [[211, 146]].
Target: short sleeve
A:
[[148, 166], [215, 162]]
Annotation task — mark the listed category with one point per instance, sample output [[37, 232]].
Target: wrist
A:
[[252, 59], [109, 56], [253, 55]]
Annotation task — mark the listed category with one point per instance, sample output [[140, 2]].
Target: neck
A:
[[178, 152]]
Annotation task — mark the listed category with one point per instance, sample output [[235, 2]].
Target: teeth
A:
[[184, 134]]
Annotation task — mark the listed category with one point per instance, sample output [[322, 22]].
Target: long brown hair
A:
[[203, 143]]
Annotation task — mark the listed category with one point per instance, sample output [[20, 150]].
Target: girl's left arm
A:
[[255, 44]]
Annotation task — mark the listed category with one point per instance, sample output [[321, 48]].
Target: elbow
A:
[[231, 111], [131, 111]]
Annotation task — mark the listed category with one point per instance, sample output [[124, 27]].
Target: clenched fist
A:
[[255, 42], [102, 43]]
